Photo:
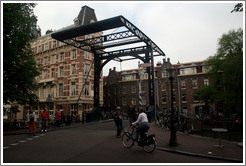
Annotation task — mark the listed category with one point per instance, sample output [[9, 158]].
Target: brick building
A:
[[65, 70], [122, 88]]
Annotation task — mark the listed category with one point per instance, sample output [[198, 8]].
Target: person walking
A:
[[31, 123], [118, 121], [143, 124], [58, 118], [44, 116]]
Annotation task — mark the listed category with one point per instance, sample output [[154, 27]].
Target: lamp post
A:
[[173, 137]]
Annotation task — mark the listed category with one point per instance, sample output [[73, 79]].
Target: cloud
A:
[[186, 32]]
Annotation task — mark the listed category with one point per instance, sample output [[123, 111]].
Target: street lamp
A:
[[173, 137]]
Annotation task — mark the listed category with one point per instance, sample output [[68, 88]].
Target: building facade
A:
[[65, 69], [122, 88]]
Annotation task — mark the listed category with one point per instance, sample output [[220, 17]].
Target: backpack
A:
[[31, 117]]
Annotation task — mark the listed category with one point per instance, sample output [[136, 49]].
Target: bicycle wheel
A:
[[151, 145], [127, 140]]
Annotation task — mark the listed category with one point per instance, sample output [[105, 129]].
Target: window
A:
[[62, 44], [61, 71], [61, 56], [133, 89], [45, 61], [73, 69], [143, 100], [74, 55], [163, 87], [134, 101], [46, 46], [87, 89], [54, 44], [39, 48], [184, 110], [87, 68], [182, 83], [183, 97], [53, 72], [124, 100], [193, 70], [39, 61], [182, 71], [195, 97], [142, 88], [61, 89], [164, 98], [164, 74], [174, 97], [87, 55], [194, 83], [129, 77], [73, 89], [73, 109], [44, 92], [206, 82], [53, 59], [124, 90], [45, 74], [51, 90]]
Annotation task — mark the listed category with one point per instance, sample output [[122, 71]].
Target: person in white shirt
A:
[[143, 124]]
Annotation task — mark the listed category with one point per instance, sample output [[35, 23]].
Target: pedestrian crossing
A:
[[22, 141]]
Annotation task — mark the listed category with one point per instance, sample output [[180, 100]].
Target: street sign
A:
[[146, 64]]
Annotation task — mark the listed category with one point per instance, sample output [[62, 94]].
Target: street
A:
[[91, 143]]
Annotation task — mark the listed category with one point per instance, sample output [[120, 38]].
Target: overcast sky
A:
[[186, 32]]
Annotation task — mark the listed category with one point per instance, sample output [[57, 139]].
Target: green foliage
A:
[[19, 66], [238, 8], [226, 70]]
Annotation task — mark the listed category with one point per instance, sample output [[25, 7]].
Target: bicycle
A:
[[148, 142], [185, 125]]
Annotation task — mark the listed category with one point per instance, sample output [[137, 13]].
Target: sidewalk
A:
[[198, 146]]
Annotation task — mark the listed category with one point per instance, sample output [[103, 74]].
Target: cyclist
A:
[[143, 124]]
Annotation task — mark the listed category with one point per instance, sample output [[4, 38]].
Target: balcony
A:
[[47, 80]]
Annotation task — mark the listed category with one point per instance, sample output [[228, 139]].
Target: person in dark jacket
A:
[[118, 121]]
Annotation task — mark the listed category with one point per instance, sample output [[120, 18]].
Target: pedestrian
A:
[[44, 116], [143, 125], [134, 114], [129, 112], [58, 118], [118, 121], [31, 122]]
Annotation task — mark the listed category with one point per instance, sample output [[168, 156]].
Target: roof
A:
[[85, 16]]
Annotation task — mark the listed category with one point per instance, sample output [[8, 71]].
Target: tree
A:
[[205, 93], [226, 70], [238, 8], [19, 65]]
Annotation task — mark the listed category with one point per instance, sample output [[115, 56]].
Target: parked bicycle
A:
[[184, 125], [148, 142]]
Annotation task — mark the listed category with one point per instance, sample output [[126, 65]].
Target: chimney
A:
[[110, 70], [168, 60], [114, 68], [164, 60]]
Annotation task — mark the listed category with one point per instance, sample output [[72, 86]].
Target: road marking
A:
[[23, 141], [29, 139]]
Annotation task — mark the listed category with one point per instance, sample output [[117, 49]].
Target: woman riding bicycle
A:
[[143, 124]]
